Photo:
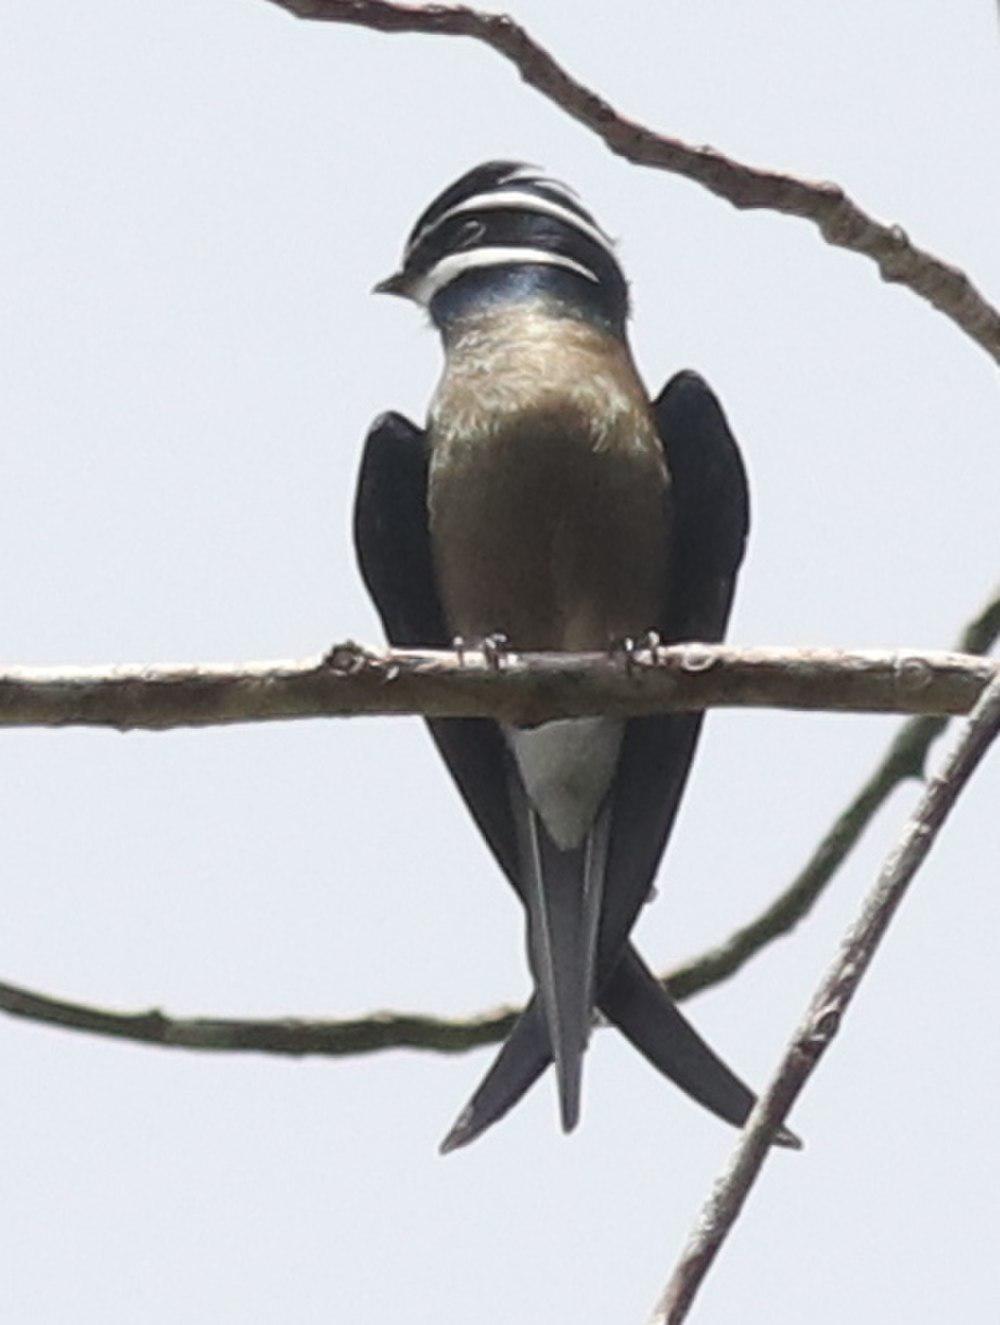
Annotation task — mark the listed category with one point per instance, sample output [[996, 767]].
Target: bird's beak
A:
[[397, 283]]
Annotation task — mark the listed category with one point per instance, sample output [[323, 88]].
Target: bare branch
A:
[[826, 1011], [526, 689], [285, 1035], [840, 220]]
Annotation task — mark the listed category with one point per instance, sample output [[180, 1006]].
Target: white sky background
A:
[[196, 200]]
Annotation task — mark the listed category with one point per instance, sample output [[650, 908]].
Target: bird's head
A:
[[504, 232]]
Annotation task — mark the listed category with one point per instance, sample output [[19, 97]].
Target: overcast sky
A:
[[197, 198]]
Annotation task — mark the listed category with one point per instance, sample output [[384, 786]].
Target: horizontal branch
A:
[[374, 1032], [839, 219], [523, 688]]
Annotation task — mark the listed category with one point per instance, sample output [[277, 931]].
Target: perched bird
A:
[[549, 504]]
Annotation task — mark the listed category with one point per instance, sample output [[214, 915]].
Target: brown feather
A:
[[547, 484]]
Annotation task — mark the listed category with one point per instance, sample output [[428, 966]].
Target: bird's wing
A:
[[393, 544], [710, 522], [392, 539], [710, 511], [391, 536], [710, 515]]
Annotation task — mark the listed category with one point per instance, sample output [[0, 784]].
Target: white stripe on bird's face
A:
[[423, 288], [517, 200]]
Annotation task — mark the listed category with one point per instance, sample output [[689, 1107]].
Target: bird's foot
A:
[[653, 643], [631, 650], [495, 649], [625, 648]]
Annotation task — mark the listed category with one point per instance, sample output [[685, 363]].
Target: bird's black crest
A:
[[557, 224], [491, 177]]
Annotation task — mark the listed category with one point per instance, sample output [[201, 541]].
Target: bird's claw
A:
[[630, 650], [624, 647], [458, 644], [495, 648], [653, 642]]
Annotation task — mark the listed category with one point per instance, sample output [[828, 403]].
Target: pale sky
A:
[[197, 199]]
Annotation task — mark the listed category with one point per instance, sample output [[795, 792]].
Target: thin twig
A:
[[526, 688], [285, 1035], [826, 1011], [839, 219]]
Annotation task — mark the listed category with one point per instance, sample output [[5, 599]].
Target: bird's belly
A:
[[549, 526], [542, 537]]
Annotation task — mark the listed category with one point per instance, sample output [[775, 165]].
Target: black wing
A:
[[391, 536], [710, 524], [392, 540], [710, 511], [711, 515]]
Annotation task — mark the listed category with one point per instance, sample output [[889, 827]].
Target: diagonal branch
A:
[[840, 220], [826, 1011], [525, 689]]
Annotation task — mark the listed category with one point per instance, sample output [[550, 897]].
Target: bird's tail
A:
[[635, 1001], [563, 891], [523, 1057]]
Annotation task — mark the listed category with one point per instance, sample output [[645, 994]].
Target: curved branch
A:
[[525, 689], [283, 1035], [825, 1013], [839, 219]]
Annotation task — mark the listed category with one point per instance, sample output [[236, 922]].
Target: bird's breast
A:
[[548, 488]]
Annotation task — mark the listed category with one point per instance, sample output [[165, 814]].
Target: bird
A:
[[549, 504]]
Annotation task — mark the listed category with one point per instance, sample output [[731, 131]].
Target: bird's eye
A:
[[470, 233]]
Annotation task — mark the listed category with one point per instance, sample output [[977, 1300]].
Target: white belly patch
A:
[[567, 767]]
